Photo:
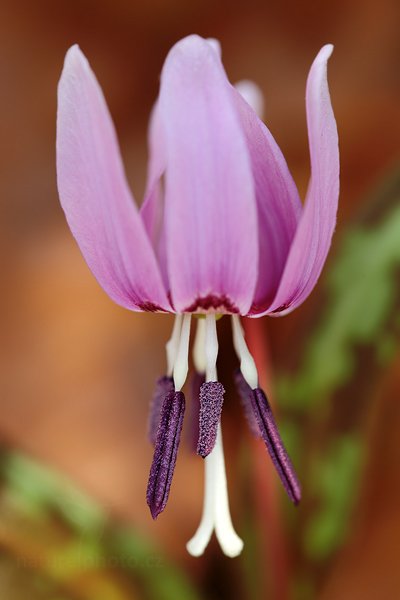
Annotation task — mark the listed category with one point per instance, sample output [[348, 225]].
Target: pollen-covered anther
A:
[[165, 452], [274, 444], [164, 385], [211, 400], [245, 394]]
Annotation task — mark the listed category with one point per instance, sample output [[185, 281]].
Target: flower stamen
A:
[[276, 449], [199, 355], [245, 394], [164, 385], [165, 453], [216, 513], [171, 419], [181, 364], [172, 345], [211, 399], [197, 379], [259, 413], [247, 364]]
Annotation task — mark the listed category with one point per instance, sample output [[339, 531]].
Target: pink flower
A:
[[221, 230]]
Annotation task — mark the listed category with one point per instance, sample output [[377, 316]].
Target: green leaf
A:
[[362, 291], [162, 580], [335, 482]]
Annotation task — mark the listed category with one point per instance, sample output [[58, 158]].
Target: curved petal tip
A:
[[75, 54], [215, 45], [325, 52], [211, 214], [95, 195], [252, 94], [313, 237]]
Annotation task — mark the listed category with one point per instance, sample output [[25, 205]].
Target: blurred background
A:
[[77, 372]]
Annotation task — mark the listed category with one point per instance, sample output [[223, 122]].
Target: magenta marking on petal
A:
[[165, 452], [197, 379], [211, 303], [164, 385], [211, 399], [258, 309], [281, 308], [245, 394], [150, 307], [275, 447]]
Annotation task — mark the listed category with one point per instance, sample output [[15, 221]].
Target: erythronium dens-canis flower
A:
[[221, 231]]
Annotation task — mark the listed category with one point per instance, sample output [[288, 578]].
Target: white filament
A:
[[199, 541], [211, 348], [181, 365], [247, 364], [227, 537], [216, 513], [199, 356], [171, 346]]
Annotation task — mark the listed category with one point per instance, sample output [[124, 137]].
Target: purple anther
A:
[[196, 381], [246, 399], [211, 399], [164, 385], [276, 449], [165, 452]]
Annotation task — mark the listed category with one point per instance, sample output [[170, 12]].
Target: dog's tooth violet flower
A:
[[221, 231]]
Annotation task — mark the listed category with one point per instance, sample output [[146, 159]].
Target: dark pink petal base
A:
[[164, 385], [219, 304], [275, 447], [165, 452], [211, 399]]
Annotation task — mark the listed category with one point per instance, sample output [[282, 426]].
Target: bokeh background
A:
[[77, 372]]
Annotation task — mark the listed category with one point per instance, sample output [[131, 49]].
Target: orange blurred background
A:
[[77, 372]]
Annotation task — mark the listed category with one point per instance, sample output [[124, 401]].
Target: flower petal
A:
[[95, 195], [211, 219], [152, 210], [278, 202], [314, 234], [252, 94]]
